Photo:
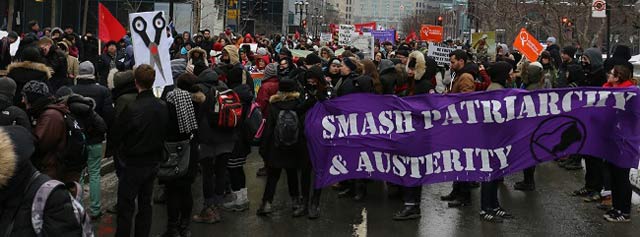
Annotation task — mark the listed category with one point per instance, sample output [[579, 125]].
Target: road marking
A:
[[360, 230]]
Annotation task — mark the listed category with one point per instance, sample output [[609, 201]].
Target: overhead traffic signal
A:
[[439, 20]]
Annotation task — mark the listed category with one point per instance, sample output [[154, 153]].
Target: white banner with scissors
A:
[[151, 44]]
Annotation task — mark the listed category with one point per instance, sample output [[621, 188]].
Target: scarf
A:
[[186, 115]]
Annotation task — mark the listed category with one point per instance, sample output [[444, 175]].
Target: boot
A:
[[450, 197], [407, 213], [184, 229], [265, 209], [525, 186], [301, 208], [262, 172], [239, 203], [460, 202], [314, 209], [208, 215], [361, 190]]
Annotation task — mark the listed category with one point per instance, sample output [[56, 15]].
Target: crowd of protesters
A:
[[58, 77]]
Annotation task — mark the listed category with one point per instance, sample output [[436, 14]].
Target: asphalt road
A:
[[548, 211]]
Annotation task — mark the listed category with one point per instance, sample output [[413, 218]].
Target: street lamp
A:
[[317, 19], [302, 7]]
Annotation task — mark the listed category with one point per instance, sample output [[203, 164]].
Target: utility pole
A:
[[196, 15], [10, 14], [53, 12], [171, 10], [608, 12], [84, 17]]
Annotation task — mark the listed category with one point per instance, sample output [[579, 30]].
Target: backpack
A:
[[254, 123], [75, 151], [40, 201], [286, 130], [227, 108], [6, 117], [176, 158]]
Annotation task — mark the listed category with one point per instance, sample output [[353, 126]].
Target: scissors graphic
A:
[[140, 27]]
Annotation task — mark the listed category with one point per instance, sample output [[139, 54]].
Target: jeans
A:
[[489, 196], [135, 182], [214, 179], [620, 188], [273, 175], [94, 153]]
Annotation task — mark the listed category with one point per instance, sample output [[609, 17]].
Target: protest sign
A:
[[528, 45], [484, 45], [482, 136], [440, 53], [384, 35], [344, 36], [326, 37], [431, 33], [253, 46], [151, 44], [365, 43], [365, 27]]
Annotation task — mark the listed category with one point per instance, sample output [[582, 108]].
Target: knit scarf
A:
[[181, 99]]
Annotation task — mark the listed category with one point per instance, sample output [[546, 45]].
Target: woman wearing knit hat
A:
[[348, 73], [283, 143]]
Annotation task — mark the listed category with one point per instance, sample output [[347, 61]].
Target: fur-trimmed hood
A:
[[203, 55], [420, 68], [7, 159], [284, 96], [30, 65], [198, 97]]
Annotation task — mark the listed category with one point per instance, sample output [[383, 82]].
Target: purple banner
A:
[[384, 35], [468, 137]]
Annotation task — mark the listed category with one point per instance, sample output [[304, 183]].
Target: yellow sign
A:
[[232, 14], [233, 2]]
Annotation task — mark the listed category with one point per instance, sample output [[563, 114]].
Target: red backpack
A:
[[228, 109]]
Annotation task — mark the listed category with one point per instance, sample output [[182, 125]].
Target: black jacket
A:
[[568, 73], [57, 61], [284, 157], [620, 57], [5, 53], [17, 195], [104, 65], [388, 75], [23, 72], [554, 50], [90, 50], [140, 131], [219, 140], [100, 94], [90, 121]]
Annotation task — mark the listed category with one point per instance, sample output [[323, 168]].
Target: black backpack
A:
[[6, 117], [75, 154], [287, 129]]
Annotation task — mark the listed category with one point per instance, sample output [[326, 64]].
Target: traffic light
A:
[[439, 20], [304, 23], [565, 20]]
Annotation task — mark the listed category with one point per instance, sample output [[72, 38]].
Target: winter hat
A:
[[271, 70], [312, 59], [335, 60], [350, 64], [86, 71], [287, 85], [217, 47], [35, 90], [551, 39], [31, 54], [285, 51], [178, 67], [262, 51], [63, 91], [7, 88], [402, 52], [569, 50]]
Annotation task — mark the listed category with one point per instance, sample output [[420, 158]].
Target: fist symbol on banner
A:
[[338, 166]]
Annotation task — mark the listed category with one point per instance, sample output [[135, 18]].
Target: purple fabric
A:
[[384, 35], [436, 138]]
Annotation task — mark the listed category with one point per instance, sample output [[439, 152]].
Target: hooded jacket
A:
[[57, 60], [594, 74], [423, 73], [23, 72], [499, 73], [50, 133], [214, 141], [268, 88], [328, 50], [283, 157], [91, 122], [535, 73], [621, 56], [232, 51], [464, 80], [124, 91], [17, 190], [201, 58]]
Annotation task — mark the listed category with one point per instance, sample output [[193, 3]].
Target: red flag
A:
[[109, 28], [411, 36]]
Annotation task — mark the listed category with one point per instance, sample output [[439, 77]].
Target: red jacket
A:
[[627, 83], [269, 87]]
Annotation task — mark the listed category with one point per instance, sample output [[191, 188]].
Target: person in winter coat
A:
[[555, 52], [463, 82], [90, 48], [490, 209], [370, 69], [181, 105], [10, 114], [88, 87], [332, 72], [19, 183], [621, 56], [31, 69], [388, 75], [55, 59], [326, 53], [139, 136], [549, 71], [197, 55], [269, 88], [207, 42], [124, 91], [593, 67], [569, 70], [347, 83], [621, 191], [109, 60], [421, 71], [5, 52], [49, 130], [281, 155], [216, 147], [72, 62]]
